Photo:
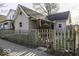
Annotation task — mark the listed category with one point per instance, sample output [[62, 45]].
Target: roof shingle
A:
[[31, 12], [59, 16]]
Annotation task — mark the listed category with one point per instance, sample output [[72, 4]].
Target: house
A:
[[27, 19], [61, 20], [8, 22]]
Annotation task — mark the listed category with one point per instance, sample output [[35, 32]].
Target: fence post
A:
[[75, 38], [61, 39], [54, 39], [64, 41], [76, 41]]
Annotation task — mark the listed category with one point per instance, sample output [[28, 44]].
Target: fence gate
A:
[[45, 36]]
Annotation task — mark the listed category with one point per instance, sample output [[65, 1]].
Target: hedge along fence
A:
[[23, 39]]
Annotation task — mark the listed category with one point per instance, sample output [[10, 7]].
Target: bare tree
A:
[[2, 5], [47, 8]]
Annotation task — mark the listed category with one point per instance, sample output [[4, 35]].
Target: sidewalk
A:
[[18, 50]]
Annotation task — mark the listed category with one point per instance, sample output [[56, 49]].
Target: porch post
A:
[[40, 22], [3, 26]]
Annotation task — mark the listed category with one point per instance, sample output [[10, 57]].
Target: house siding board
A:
[[68, 22], [63, 22], [25, 23]]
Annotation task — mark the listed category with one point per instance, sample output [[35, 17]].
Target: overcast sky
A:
[[72, 7]]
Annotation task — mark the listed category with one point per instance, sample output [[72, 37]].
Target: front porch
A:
[[6, 25], [43, 30], [42, 24]]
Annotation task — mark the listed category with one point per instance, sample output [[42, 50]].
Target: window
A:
[[20, 13], [20, 24], [6, 23], [60, 25]]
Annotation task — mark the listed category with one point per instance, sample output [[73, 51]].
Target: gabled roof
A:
[[31, 12], [59, 16], [5, 21]]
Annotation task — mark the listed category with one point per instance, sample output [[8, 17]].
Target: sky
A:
[[72, 7]]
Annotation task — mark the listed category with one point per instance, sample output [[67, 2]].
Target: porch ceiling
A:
[[5, 21], [33, 19], [48, 21]]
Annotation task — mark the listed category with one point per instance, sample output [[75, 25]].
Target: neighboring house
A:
[[8, 22], [61, 20]]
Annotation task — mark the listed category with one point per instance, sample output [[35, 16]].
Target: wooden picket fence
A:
[[61, 40]]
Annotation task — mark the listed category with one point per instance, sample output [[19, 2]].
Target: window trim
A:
[[60, 25], [20, 24], [20, 13]]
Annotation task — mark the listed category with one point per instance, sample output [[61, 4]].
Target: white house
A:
[[27, 19], [7, 23], [61, 20]]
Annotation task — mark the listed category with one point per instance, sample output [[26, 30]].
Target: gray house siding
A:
[[25, 23], [63, 25]]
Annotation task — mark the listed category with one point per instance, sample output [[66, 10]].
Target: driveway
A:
[[18, 50]]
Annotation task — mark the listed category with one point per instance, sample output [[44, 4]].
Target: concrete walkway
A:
[[18, 50]]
